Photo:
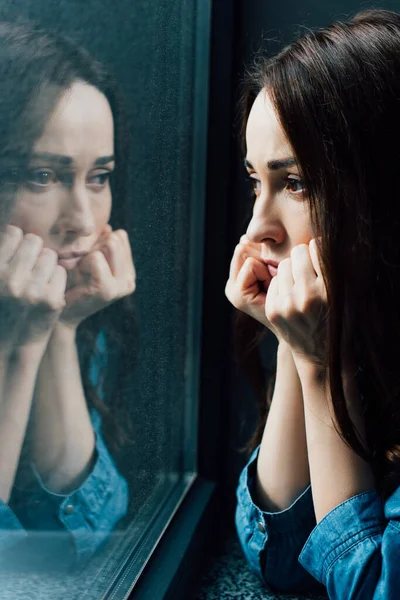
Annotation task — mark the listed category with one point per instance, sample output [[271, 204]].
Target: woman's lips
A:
[[272, 267], [70, 261], [273, 271]]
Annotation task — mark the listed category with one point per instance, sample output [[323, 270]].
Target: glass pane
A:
[[103, 120]]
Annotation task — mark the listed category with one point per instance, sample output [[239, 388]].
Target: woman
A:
[[319, 266], [63, 184]]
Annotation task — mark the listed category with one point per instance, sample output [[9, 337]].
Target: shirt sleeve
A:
[[355, 549], [272, 542], [88, 514], [11, 530]]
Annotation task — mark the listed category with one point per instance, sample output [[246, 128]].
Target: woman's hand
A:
[[105, 275], [296, 305], [249, 280], [32, 290]]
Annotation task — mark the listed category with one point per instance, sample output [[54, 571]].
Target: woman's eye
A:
[[100, 179], [41, 177], [294, 185], [255, 184]]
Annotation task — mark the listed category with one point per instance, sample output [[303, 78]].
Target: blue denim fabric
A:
[[354, 551], [272, 542], [71, 526]]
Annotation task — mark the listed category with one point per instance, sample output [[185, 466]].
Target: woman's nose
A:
[[265, 226], [77, 217]]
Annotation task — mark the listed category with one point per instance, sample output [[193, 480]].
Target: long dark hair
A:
[[337, 94], [36, 67]]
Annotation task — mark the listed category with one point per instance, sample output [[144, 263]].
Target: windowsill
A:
[[227, 576]]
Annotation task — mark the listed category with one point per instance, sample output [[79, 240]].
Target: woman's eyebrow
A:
[[66, 161], [283, 163], [103, 160], [275, 164]]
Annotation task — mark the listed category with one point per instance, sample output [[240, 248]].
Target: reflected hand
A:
[[249, 280], [105, 275], [32, 289]]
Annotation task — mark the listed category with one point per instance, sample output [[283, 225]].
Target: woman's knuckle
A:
[[33, 296], [33, 239], [13, 288], [14, 232], [284, 264], [113, 241], [273, 315], [49, 253]]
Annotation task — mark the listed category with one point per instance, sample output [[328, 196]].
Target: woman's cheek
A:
[[33, 213], [102, 214], [30, 223]]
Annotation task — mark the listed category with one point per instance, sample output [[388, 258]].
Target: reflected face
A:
[[65, 194], [280, 215]]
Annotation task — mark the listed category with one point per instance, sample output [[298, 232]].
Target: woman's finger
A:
[[302, 266], [21, 264], [44, 268], [314, 255], [56, 288], [252, 274], [129, 271], [10, 240], [106, 231], [285, 282], [116, 255], [241, 253], [95, 269], [126, 246]]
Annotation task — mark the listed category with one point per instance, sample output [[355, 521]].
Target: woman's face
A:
[[280, 215], [65, 196]]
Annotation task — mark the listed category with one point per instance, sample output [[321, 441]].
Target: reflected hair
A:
[[336, 92], [36, 68]]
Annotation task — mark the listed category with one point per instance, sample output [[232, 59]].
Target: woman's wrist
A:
[[64, 332], [284, 350], [310, 371], [28, 355]]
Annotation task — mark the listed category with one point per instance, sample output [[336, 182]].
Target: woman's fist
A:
[[249, 280], [32, 289], [105, 275]]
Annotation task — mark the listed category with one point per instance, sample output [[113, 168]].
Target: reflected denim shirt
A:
[[353, 553], [72, 526]]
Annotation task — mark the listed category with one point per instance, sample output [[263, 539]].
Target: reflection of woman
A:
[[322, 151], [63, 161]]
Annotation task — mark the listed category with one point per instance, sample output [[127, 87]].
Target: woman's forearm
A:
[[337, 472], [282, 467], [61, 435], [17, 383]]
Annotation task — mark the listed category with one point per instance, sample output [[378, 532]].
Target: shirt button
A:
[[261, 526], [69, 509]]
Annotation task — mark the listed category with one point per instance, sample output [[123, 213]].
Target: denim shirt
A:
[[354, 551], [67, 527]]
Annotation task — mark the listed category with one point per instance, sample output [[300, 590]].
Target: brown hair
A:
[[337, 95]]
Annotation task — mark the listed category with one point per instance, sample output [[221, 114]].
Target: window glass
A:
[[102, 121]]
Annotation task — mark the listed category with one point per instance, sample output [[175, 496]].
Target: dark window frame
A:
[[175, 564]]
